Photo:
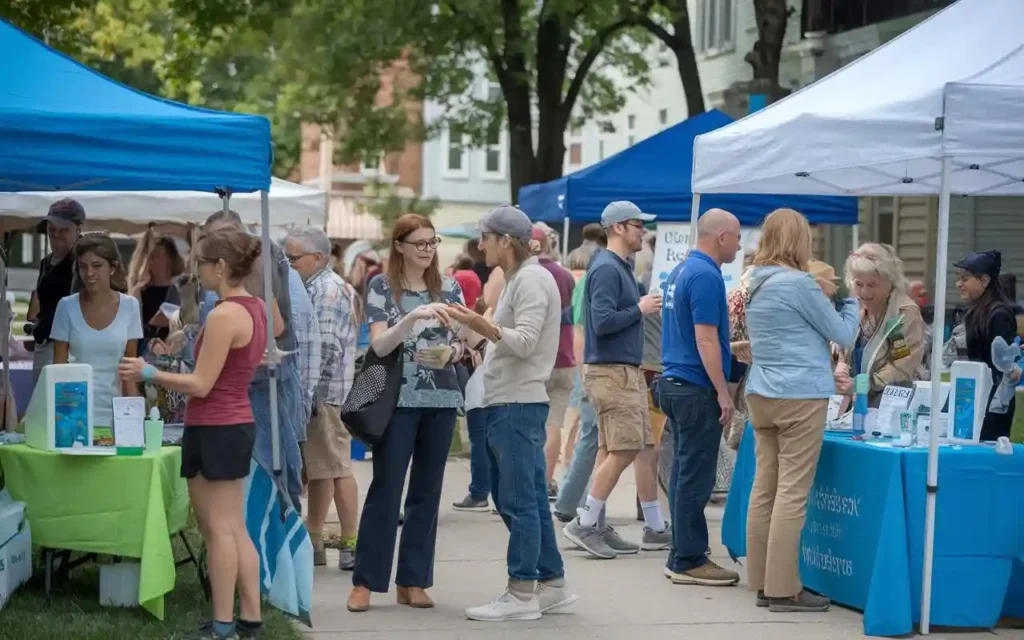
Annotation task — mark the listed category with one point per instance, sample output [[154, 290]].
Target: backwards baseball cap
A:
[[623, 211], [983, 263], [66, 212], [507, 220]]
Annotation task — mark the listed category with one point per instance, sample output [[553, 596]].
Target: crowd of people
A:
[[570, 361]]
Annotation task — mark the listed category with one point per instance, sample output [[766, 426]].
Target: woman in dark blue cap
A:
[[990, 314]]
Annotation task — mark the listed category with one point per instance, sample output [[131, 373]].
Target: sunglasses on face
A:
[[423, 245]]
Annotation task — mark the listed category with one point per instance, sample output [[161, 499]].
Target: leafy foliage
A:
[[387, 205]]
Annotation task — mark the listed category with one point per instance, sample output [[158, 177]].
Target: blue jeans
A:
[[425, 437], [516, 434], [696, 432], [576, 483], [479, 462]]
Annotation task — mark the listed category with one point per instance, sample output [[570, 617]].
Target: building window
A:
[[494, 154], [456, 152], [576, 154], [372, 166], [630, 141], [716, 26], [600, 149], [663, 117], [631, 122], [493, 92]]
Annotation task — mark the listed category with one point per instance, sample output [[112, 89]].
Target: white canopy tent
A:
[[126, 211], [937, 111]]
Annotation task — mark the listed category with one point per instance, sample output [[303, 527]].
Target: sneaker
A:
[[347, 556], [590, 539], [707, 552], [206, 632], [469, 503], [656, 540], [803, 602], [507, 606], [248, 630], [319, 554], [552, 491], [708, 575], [617, 543], [564, 518], [551, 598], [761, 601]]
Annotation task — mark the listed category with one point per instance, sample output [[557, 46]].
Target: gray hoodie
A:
[[790, 323]]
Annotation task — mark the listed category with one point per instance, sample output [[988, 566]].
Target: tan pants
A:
[[788, 436], [559, 387]]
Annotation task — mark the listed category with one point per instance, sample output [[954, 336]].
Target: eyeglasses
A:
[[423, 245], [636, 224], [294, 259]]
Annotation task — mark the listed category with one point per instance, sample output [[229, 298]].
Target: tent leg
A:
[[268, 296], [694, 217], [565, 238], [938, 330], [855, 229]]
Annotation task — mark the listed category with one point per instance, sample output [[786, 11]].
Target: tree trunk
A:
[[766, 55], [681, 43], [686, 62]]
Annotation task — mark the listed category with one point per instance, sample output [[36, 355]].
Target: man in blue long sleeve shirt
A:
[[615, 385]]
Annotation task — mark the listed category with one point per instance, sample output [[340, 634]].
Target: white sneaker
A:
[[506, 607], [553, 598]]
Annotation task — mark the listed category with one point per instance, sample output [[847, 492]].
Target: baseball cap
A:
[[623, 211], [65, 212], [983, 263], [507, 220]]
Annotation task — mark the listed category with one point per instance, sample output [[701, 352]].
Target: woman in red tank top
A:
[[216, 448]]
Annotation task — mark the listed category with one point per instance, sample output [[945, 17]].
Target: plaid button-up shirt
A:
[[332, 302]]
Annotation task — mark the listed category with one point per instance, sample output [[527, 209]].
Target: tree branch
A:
[[660, 32], [489, 45]]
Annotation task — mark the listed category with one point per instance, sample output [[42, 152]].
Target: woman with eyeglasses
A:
[[405, 308]]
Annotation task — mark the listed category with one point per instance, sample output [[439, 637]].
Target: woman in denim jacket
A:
[[790, 323]]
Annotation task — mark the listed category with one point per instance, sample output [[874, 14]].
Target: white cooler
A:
[[15, 548]]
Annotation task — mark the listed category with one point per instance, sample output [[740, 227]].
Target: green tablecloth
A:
[[121, 506]]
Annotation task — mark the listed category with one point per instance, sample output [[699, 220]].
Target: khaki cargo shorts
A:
[[327, 451], [619, 395]]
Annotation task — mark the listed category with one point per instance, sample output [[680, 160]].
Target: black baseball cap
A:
[[982, 263], [66, 212]]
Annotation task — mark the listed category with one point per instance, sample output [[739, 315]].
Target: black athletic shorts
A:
[[217, 453]]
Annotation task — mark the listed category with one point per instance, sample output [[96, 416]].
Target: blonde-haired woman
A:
[[891, 340], [790, 324]]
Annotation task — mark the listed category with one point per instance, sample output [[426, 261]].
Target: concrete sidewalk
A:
[[623, 599]]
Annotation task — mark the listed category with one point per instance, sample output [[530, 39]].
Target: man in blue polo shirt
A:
[[693, 391]]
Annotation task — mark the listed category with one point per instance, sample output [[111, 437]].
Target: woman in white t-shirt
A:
[[100, 324]]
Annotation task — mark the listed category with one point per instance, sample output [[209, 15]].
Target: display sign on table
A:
[[673, 241], [59, 415]]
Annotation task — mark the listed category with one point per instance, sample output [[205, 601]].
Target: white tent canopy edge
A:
[[937, 111]]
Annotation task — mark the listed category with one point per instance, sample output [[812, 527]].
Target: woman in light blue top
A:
[[790, 323]]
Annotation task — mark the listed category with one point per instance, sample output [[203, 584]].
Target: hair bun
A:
[[251, 251]]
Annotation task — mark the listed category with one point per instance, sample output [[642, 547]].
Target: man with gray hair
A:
[[327, 452]]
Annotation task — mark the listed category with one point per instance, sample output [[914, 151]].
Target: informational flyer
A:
[[895, 400], [129, 419], [71, 414], [673, 242]]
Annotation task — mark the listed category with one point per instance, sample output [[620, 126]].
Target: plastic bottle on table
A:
[[860, 404]]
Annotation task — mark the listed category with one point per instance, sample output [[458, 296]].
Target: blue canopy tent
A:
[[64, 126], [655, 174]]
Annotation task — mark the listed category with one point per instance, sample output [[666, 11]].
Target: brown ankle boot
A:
[[359, 600], [414, 597]]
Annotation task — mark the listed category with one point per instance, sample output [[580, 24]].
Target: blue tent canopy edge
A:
[[65, 126], [655, 174]]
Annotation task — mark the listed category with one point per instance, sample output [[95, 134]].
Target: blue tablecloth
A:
[[863, 542]]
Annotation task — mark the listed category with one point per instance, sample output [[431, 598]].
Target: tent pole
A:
[[565, 238], [272, 358], [856, 235], [694, 217], [938, 331]]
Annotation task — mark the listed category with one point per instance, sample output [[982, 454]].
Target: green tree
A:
[[766, 55], [388, 206], [556, 62], [670, 23]]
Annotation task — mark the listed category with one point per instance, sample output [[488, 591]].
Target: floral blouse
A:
[[422, 387], [737, 301]]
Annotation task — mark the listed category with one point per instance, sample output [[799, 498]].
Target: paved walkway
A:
[[623, 599]]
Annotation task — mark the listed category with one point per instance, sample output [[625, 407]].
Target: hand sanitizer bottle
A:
[[154, 431]]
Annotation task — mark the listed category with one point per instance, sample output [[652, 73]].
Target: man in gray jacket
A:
[[524, 336]]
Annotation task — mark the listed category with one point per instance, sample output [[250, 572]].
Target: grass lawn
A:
[[75, 612]]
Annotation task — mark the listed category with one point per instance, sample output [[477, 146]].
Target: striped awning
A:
[[344, 222]]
